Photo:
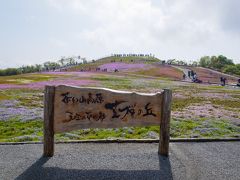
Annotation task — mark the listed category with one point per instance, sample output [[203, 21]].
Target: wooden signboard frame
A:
[[56, 109]]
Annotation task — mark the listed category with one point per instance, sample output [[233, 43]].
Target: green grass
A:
[[112, 82], [182, 128], [189, 89], [208, 128], [227, 103], [85, 66], [13, 128], [129, 59], [26, 78], [179, 103], [93, 65], [26, 97], [31, 100], [162, 73], [117, 133], [132, 83], [235, 96], [221, 128], [3, 95]]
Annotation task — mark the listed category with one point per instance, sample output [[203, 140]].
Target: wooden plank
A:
[[165, 123], [78, 108], [48, 121]]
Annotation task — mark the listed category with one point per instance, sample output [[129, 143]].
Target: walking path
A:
[[206, 160], [185, 71]]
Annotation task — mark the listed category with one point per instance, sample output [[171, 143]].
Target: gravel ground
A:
[[215, 160]]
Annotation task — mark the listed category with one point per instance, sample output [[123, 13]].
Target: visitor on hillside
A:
[[184, 76], [223, 81], [238, 82], [194, 76], [192, 73], [189, 74]]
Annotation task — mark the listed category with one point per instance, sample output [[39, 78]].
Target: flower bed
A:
[[40, 85], [124, 66]]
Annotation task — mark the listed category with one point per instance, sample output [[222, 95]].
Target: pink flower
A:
[[42, 84], [124, 66]]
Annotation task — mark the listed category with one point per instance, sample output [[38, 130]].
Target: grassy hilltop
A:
[[198, 110]]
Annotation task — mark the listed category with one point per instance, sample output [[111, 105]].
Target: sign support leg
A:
[[165, 123], [48, 142]]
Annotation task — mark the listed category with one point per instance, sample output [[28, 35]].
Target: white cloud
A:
[[186, 29], [123, 25], [169, 28], [57, 43]]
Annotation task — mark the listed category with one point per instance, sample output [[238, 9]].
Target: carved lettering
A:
[[129, 109], [113, 107], [79, 108], [90, 116], [148, 110], [91, 99]]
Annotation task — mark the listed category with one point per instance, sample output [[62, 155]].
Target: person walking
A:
[[238, 82], [189, 74], [224, 81], [184, 76]]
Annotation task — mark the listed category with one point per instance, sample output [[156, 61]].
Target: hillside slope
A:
[[112, 59], [132, 65], [212, 76]]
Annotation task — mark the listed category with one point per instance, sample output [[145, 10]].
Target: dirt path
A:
[[185, 71]]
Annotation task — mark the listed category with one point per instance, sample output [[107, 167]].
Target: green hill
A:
[[129, 59]]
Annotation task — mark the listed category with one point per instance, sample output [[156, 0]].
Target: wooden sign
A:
[[78, 108], [70, 108]]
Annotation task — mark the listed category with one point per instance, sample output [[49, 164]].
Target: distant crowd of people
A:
[[135, 55], [98, 69]]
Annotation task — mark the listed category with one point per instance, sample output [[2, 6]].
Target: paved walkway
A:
[[185, 71], [215, 160]]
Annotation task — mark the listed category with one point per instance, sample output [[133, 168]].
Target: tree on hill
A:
[[232, 69], [220, 63], [205, 61], [215, 62], [47, 66], [9, 71], [51, 65], [62, 61]]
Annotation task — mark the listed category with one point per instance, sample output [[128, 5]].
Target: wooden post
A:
[[48, 121], [165, 123]]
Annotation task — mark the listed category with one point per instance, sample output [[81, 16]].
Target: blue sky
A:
[[35, 31]]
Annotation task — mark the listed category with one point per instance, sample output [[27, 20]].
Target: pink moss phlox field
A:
[[9, 109], [10, 86], [40, 85], [78, 74], [72, 82], [124, 66]]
